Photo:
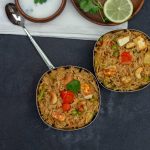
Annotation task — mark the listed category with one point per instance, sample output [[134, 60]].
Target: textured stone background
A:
[[124, 122]]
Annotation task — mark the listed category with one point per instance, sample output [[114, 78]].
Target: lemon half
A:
[[118, 11]]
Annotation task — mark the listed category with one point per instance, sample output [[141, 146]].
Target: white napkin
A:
[[70, 24]]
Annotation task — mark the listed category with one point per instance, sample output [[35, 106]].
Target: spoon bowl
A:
[[13, 15]]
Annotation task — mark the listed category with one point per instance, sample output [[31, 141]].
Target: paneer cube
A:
[[140, 43], [147, 58], [123, 40], [88, 96]]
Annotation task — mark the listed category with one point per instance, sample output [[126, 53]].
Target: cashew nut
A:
[[138, 73], [126, 80], [130, 45], [53, 98]]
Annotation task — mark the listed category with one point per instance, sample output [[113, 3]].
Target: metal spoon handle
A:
[[43, 56]]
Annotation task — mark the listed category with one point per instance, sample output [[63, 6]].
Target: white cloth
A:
[[70, 24]]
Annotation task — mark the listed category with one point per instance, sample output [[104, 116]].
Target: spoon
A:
[[15, 18]]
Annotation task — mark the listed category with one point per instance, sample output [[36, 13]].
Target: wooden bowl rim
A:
[[41, 20], [101, 23]]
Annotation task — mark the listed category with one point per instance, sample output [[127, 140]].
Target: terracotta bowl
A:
[[41, 20], [137, 4]]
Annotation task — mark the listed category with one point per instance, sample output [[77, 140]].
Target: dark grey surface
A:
[[124, 123]]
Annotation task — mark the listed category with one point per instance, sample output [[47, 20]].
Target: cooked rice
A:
[[53, 81], [103, 58]]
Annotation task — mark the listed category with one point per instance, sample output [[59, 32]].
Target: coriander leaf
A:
[[74, 86], [93, 7], [41, 94], [88, 6], [94, 10], [106, 19], [40, 1], [75, 112], [36, 1], [116, 53], [84, 5], [114, 47]]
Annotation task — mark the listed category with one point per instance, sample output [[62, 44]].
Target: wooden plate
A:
[[97, 19]]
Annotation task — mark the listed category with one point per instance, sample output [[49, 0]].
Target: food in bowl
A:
[[109, 10], [122, 60], [68, 98], [39, 9]]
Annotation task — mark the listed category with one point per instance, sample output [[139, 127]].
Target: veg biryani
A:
[[122, 60], [68, 98]]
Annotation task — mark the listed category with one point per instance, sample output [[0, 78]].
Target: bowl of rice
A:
[[122, 60], [68, 98]]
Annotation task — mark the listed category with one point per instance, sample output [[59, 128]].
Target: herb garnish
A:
[[41, 94], [39, 1], [93, 7], [74, 86]]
